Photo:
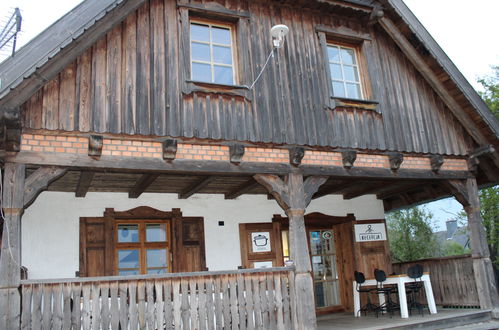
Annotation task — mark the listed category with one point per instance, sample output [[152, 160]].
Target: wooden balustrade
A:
[[243, 299], [452, 279]]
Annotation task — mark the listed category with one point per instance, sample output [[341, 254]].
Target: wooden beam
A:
[[39, 180], [84, 183], [293, 195], [364, 190], [466, 192], [391, 191], [196, 187], [10, 256], [334, 189], [142, 184], [242, 189], [183, 166], [432, 79]]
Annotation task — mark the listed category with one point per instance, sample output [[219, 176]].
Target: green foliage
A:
[[489, 202], [491, 94], [410, 234], [451, 248]]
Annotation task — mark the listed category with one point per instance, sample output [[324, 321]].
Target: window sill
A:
[[216, 88], [342, 102]]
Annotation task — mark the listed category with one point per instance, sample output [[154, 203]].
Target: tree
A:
[[451, 248], [491, 93], [410, 233]]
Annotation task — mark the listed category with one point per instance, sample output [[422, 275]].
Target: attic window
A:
[[344, 68]]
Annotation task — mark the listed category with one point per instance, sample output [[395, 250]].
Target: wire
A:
[[271, 55], [6, 222]]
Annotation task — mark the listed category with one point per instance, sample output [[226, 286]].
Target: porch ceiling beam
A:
[[334, 189], [84, 183], [196, 187], [242, 189], [398, 189], [39, 180], [368, 189], [142, 184], [182, 166]]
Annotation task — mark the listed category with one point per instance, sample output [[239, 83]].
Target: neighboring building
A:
[[453, 233], [133, 146]]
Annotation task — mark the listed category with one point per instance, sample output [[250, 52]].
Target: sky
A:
[[466, 32]]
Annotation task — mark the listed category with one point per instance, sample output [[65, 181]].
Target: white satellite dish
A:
[[278, 33]]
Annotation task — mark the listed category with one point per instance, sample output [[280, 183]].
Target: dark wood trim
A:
[[84, 183], [142, 184], [39, 180], [316, 220], [334, 189], [181, 166], [242, 189], [196, 187], [141, 212], [343, 33], [216, 9]]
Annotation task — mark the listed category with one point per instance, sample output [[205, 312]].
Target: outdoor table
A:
[[400, 280]]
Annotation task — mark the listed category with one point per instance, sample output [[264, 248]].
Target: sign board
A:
[[262, 264], [260, 241], [370, 232]]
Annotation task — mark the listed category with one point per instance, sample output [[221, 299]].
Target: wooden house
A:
[[142, 166]]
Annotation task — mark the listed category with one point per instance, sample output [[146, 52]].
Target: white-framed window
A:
[[212, 53], [344, 69]]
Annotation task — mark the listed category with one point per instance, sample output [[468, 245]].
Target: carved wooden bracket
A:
[[296, 154], [349, 157], [396, 159], [236, 153], [169, 149], [376, 14], [12, 130], [95, 144], [39, 180], [436, 162]]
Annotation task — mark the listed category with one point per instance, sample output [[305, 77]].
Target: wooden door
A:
[[260, 245], [189, 255], [96, 247]]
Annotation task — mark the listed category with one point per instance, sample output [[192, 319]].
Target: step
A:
[[450, 322]]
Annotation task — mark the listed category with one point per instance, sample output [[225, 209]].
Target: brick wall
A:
[[152, 149]]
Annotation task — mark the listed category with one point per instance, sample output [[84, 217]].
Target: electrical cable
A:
[[271, 55]]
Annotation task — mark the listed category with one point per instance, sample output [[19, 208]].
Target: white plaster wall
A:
[[50, 226]]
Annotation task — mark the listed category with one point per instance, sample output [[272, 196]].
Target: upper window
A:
[[212, 54], [344, 68]]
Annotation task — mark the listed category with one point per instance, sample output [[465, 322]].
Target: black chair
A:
[[415, 272], [369, 307], [389, 305]]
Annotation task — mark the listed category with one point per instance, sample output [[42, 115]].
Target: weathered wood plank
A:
[[142, 184], [95, 315], [124, 304], [234, 308], [26, 315], [47, 307], [76, 312], [202, 302], [168, 305], [150, 310], [133, 308], [117, 303], [184, 285], [39, 181], [193, 302], [36, 316], [177, 311], [159, 304], [66, 298], [141, 302], [106, 311]]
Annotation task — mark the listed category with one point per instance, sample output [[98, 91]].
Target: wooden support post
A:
[[10, 258], [466, 192], [294, 195]]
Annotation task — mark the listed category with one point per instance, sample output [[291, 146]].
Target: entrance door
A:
[[324, 267]]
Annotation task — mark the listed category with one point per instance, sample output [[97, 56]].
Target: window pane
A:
[[128, 233], [220, 35], [347, 56], [201, 72], [351, 73], [157, 271], [222, 55], [333, 54], [128, 272], [338, 89], [156, 258], [201, 52], [353, 91], [156, 232], [336, 71], [128, 258], [200, 32], [223, 75]]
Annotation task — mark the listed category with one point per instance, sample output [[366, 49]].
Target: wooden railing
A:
[[452, 279], [243, 299]]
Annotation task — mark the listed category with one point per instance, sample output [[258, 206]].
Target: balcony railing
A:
[[243, 299]]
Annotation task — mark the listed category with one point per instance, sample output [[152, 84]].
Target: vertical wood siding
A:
[[129, 82]]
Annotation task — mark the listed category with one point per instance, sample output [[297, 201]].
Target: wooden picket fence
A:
[[243, 299], [452, 279]]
